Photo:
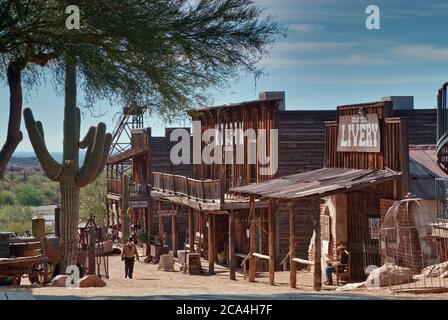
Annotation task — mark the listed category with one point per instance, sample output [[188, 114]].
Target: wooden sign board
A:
[[359, 133], [165, 213], [138, 204]]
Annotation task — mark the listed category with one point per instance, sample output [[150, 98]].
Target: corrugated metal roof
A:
[[423, 170], [319, 183]]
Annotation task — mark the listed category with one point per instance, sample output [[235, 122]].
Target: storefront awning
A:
[[316, 183]]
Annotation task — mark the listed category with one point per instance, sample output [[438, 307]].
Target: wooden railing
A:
[[114, 186], [135, 189], [201, 190]]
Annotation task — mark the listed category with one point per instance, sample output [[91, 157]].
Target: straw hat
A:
[[341, 247]]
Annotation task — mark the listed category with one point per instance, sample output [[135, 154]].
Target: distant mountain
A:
[[27, 159]]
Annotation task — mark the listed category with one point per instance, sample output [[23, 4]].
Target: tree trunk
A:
[[14, 135]]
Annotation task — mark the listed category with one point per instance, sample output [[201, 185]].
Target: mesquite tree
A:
[[162, 53], [69, 174]]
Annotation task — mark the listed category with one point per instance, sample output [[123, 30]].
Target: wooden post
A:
[[191, 229], [317, 253], [252, 241], [38, 227], [232, 245], [174, 232], [222, 187], [57, 220], [211, 243], [292, 245], [271, 223], [161, 226], [404, 156]]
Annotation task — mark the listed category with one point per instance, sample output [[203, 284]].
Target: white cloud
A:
[[306, 28], [349, 59], [311, 46], [421, 52]]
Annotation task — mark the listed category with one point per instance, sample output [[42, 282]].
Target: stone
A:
[[91, 281], [389, 274], [59, 281], [436, 270], [166, 263]]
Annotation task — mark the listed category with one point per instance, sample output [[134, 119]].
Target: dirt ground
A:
[[150, 283]]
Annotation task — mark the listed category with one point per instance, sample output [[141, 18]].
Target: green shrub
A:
[[15, 219], [7, 198], [27, 195]]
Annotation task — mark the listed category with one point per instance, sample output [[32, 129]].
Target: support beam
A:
[[161, 226], [317, 253], [211, 243], [252, 241], [232, 235], [271, 227], [191, 229], [292, 245], [174, 231]]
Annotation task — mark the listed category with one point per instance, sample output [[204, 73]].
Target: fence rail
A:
[[136, 189], [206, 190]]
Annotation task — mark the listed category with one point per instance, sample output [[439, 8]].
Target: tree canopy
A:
[[165, 54]]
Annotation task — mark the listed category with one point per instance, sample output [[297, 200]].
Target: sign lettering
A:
[[359, 134]]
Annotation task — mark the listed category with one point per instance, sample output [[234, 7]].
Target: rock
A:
[[166, 263], [91, 281], [436, 270], [351, 286], [59, 281], [389, 274]]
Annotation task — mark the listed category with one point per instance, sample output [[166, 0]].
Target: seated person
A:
[[342, 259]]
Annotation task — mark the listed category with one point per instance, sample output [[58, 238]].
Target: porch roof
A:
[[126, 155], [316, 183]]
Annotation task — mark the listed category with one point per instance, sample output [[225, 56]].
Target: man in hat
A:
[[340, 263], [127, 254]]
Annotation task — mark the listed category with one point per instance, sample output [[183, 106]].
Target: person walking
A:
[[127, 254]]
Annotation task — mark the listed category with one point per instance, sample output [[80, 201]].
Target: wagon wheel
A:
[[37, 275]]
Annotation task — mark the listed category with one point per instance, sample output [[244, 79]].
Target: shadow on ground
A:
[[286, 296]]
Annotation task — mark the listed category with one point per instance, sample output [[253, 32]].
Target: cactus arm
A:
[[40, 129], [101, 162], [104, 156], [88, 139], [51, 168], [91, 163]]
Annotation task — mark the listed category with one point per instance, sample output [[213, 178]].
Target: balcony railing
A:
[[200, 190], [136, 189]]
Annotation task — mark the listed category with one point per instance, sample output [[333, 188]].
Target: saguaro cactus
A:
[[69, 174], [125, 209]]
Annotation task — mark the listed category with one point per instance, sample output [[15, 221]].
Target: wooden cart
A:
[[28, 259]]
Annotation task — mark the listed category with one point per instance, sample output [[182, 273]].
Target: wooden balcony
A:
[[137, 190], [200, 194]]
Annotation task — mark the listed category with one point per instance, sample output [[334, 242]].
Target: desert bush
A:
[[28, 195], [7, 198]]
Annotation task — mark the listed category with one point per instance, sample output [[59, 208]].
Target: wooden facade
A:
[[236, 231]]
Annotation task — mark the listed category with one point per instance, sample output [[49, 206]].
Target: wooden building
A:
[[366, 160], [237, 227]]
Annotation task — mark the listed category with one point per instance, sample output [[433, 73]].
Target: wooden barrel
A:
[[38, 227], [25, 249], [51, 248]]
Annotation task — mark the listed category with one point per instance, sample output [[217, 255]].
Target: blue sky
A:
[[328, 58]]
